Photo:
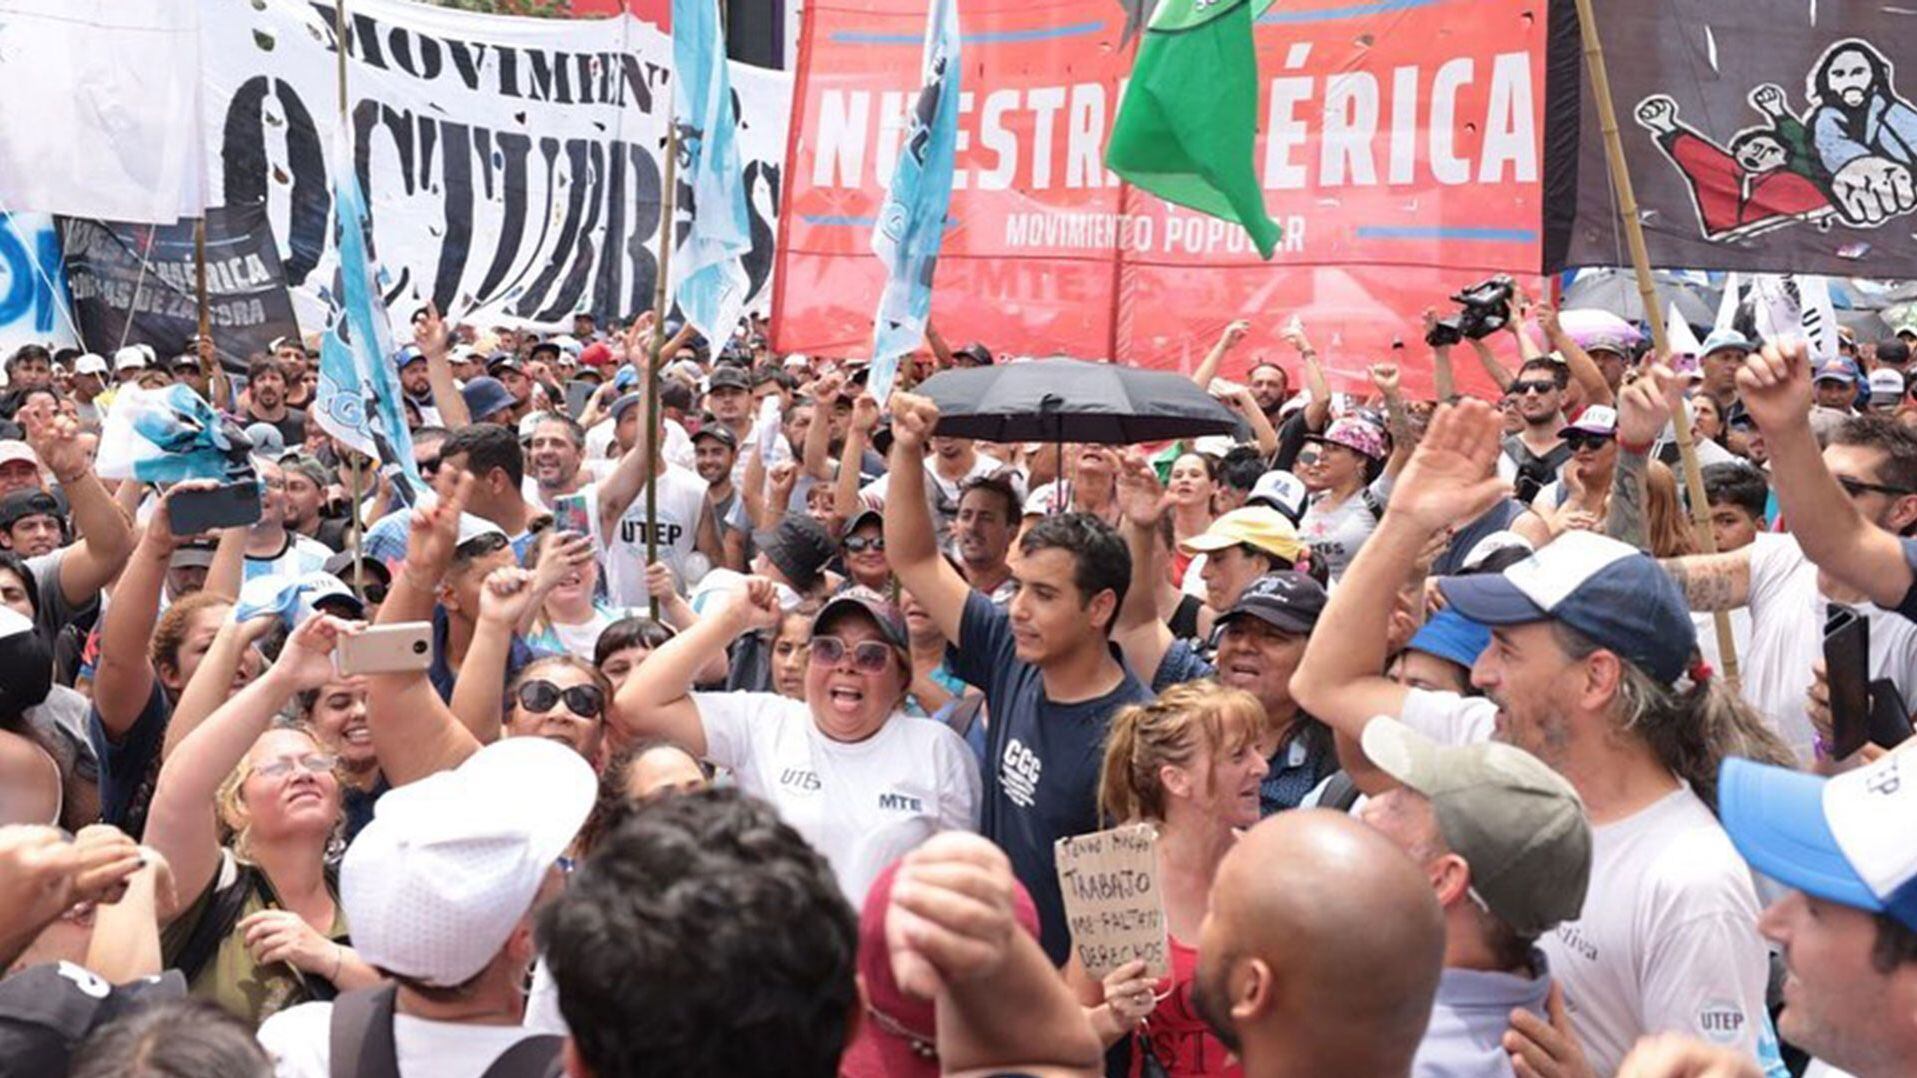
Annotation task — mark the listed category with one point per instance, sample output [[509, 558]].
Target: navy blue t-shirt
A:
[[1042, 759], [130, 766]]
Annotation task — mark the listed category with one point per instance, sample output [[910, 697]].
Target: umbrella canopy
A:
[[1617, 293], [1070, 400]]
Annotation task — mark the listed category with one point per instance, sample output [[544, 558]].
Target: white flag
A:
[[102, 114]]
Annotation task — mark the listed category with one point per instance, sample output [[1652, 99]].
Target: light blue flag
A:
[[911, 225], [712, 281], [357, 400]]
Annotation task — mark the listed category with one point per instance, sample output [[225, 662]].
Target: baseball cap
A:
[[718, 432], [484, 396], [1282, 491], [435, 885], [192, 555], [1287, 601], [1266, 529], [1518, 823], [266, 438], [1452, 637], [90, 364], [341, 565], [975, 352], [130, 358], [1886, 386], [408, 356], [883, 612], [1614, 343], [1837, 371], [506, 360], [1845, 839], [1598, 419], [12, 449], [21, 504], [863, 516], [1359, 435], [1482, 550], [624, 404], [726, 376], [1909, 328], [799, 547], [1609, 591], [477, 527], [1725, 338], [596, 354], [294, 598]]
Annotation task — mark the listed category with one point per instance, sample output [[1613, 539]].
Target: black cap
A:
[[341, 565], [800, 547], [502, 360], [1893, 351], [544, 346], [21, 504], [863, 515], [975, 352], [883, 612], [1288, 601], [728, 376], [718, 432]]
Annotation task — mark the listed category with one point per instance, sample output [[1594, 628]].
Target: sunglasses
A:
[[1854, 487], [1578, 441], [539, 697], [868, 656], [859, 544], [313, 763], [1519, 389], [429, 467]]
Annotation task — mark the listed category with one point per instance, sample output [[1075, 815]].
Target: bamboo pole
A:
[[357, 484], [1653, 312], [654, 436]]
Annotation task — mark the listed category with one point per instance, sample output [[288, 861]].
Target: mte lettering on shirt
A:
[[901, 802]]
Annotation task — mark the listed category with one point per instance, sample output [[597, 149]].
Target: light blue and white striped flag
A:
[[911, 225], [711, 278], [357, 400]]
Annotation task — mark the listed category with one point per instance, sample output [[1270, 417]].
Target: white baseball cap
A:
[[1282, 491], [473, 527], [12, 449], [1846, 839], [435, 885], [90, 363], [1885, 385], [131, 358]]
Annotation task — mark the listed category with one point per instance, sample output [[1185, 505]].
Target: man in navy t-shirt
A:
[[1051, 676]]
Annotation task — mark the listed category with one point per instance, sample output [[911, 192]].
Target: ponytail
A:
[[1170, 730], [1119, 785]]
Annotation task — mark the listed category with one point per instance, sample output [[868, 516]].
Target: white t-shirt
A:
[[1788, 612], [1335, 533], [622, 548], [301, 556], [677, 451], [1668, 939], [862, 804], [299, 1040]]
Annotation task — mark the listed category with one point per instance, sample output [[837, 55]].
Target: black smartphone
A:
[[1847, 671], [1889, 724], [229, 505]]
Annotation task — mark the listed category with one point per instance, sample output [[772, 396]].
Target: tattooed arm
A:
[[1624, 520], [1712, 581]]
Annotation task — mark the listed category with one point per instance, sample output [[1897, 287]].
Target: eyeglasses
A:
[[1854, 487], [313, 763], [1577, 441], [859, 544], [868, 656], [1519, 389], [539, 697]]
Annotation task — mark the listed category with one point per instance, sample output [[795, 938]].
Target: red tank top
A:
[[1179, 1038]]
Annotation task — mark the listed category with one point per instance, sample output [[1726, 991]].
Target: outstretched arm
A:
[[909, 536], [123, 680], [1139, 632], [1214, 359], [1583, 369], [106, 536], [656, 701], [434, 342]]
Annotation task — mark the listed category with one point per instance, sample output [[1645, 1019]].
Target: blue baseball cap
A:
[[1846, 839], [1452, 637], [1611, 592], [484, 396], [1725, 338]]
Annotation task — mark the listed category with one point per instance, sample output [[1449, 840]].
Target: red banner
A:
[[1401, 151]]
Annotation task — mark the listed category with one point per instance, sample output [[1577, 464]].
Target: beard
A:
[[1209, 999]]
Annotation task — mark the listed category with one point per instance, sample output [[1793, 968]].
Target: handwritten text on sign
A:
[[1112, 901]]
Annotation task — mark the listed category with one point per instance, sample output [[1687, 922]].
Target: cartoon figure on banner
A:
[[1849, 159]]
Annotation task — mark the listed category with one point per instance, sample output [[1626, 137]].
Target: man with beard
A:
[[1865, 135], [271, 547], [1321, 951], [554, 460], [1874, 459], [1533, 457], [982, 534], [266, 401], [1588, 672], [714, 453]]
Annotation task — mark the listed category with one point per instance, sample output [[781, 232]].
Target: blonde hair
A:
[[1669, 531], [229, 801], [1170, 730]]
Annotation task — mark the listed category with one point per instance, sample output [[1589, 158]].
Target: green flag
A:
[[1186, 128]]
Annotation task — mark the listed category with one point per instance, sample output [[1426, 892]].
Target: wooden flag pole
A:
[[357, 484], [1653, 313], [654, 437]]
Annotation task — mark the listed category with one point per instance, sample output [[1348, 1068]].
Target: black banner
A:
[[1761, 135], [118, 271]]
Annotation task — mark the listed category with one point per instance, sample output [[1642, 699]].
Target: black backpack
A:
[[360, 1042]]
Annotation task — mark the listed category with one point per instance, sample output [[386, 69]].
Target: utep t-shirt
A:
[[863, 804], [622, 547], [1041, 760]]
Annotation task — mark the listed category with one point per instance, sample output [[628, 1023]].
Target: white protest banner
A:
[[1117, 914], [34, 303], [512, 166]]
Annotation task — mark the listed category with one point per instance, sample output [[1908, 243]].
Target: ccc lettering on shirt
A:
[[634, 531], [798, 778], [1018, 773]]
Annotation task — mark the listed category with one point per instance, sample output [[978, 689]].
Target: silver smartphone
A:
[[386, 649]]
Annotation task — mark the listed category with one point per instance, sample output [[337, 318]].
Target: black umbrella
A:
[[1070, 400]]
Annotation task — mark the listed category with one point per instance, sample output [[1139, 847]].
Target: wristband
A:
[[1642, 450]]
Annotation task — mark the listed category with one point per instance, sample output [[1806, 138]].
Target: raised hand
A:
[[1548, 321], [951, 914], [107, 859], [1646, 403], [1234, 333], [1658, 114], [660, 580], [433, 338], [865, 414], [1129, 993], [755, 607], [828, 389], [561, 555], [1294, 335], [1769, 100], [306, 662], [1140, 497], [434, 529], [506, 595], [913, 420], [1452, 475], [159, 526], [55, 439], [1775, 385], [1386, 377]]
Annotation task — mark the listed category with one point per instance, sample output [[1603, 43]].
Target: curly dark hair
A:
[[703, 936]]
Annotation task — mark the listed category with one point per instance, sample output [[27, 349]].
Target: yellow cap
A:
[[1266, 529]]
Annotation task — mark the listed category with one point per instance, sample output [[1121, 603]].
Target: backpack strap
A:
[[534, 1057], [216, 923], [360, 1034], [1340, 792]]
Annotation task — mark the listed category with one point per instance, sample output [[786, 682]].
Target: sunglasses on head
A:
[[1519, 389], [539, 697], [868, 656], [858, 544], [1581, 440]]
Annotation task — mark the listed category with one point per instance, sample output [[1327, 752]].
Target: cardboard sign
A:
[[1112, 902]]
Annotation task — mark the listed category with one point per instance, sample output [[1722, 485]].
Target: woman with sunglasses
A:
[[863, 552], [560, 699], [260, 925], [862, 781], [1581, 494]]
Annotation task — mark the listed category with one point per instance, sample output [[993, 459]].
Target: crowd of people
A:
[[741, 744]]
